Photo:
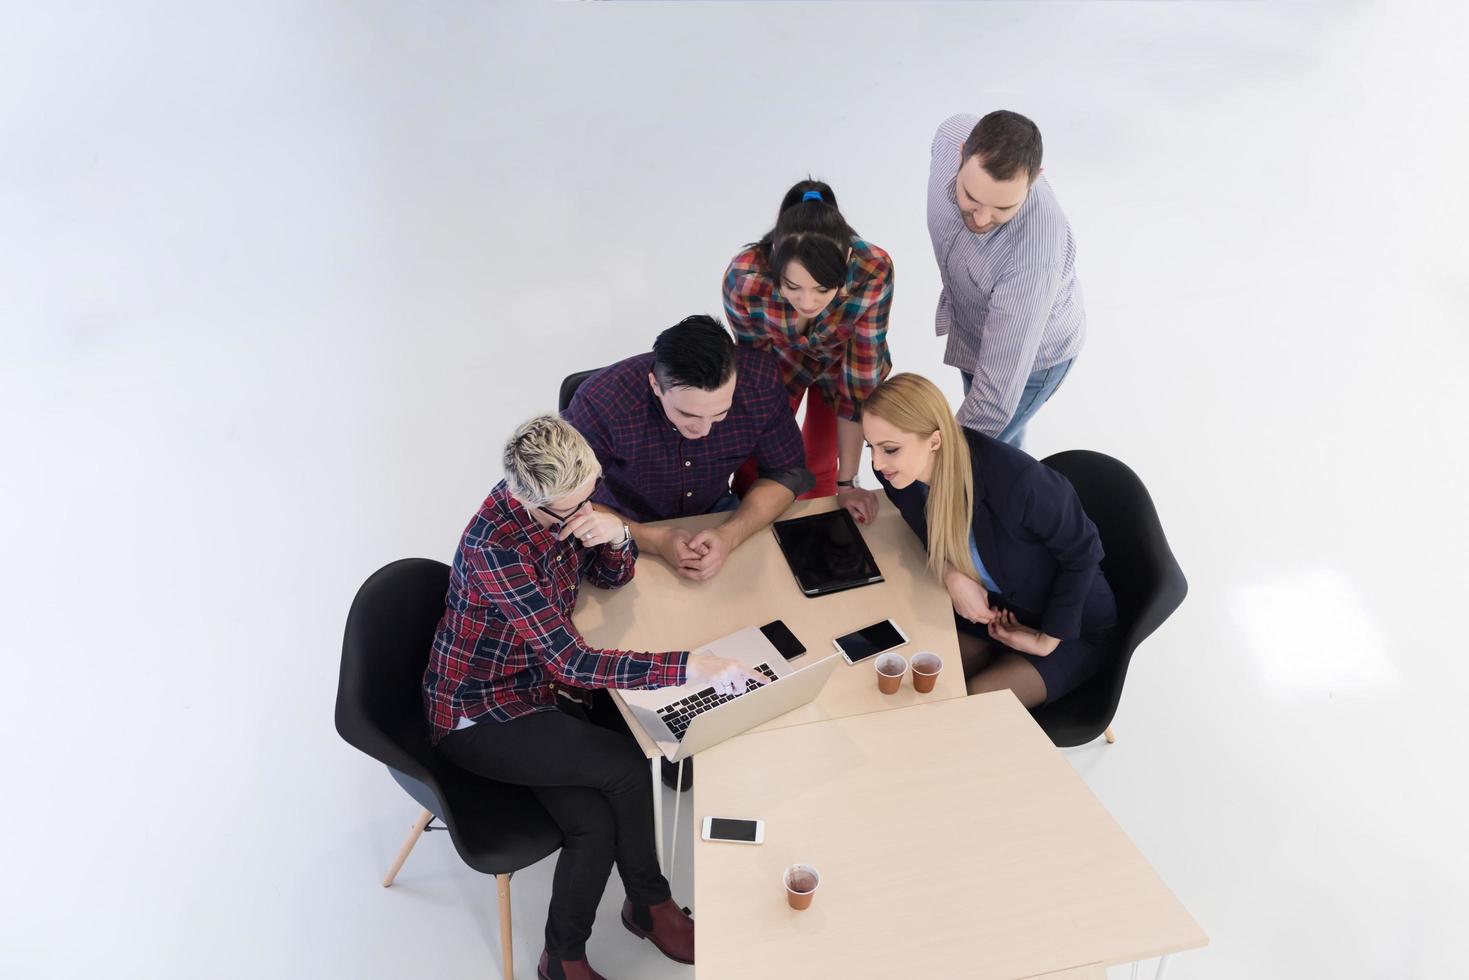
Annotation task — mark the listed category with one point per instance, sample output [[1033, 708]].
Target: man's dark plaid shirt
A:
[[652, 472]]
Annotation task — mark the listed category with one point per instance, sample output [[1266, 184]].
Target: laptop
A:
[[684, 721], [826, 552]]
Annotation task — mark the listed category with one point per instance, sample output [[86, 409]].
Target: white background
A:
[[276, 279]]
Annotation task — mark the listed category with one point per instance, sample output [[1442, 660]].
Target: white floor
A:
[[276, 279]]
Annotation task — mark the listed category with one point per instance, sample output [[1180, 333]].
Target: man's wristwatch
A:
[[849, 484]]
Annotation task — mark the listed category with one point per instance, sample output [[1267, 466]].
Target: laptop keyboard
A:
[[681, 713]]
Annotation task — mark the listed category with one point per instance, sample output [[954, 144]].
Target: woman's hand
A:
[[593, 528], [969, 597], [727, 676], [861, 503], [1008, 630]]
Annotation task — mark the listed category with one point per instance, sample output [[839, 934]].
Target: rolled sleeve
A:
[[797, 479]]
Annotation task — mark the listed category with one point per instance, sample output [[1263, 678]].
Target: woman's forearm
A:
[[849, 448]]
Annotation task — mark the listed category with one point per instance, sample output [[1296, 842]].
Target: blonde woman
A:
[[1006, 535], [509, 679]]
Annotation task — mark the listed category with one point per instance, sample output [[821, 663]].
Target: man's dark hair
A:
[[696, 352], [1007, 143]]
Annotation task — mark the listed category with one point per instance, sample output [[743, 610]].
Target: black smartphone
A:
[[781, 637]]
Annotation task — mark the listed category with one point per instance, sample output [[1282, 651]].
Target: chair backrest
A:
[[1139, 565], [384, 651], [1143, 574], [569, 385]]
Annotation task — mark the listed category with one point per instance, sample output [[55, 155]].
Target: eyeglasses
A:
[[563, 518]]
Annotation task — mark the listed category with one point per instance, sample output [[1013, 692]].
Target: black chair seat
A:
[[497, 828]]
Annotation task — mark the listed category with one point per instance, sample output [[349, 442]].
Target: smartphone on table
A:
[[784, 641], [734, 831], [870, 641]]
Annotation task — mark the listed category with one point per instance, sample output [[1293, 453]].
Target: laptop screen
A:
[[826, 552]]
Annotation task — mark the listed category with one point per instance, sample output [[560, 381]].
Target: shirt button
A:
[[688, 462], [689, 493]]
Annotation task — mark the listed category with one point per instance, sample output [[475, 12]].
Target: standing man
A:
[[671, 427], [1010, 303]]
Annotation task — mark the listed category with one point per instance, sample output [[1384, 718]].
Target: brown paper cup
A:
[[801, 881], [926, 668], [890, 668]]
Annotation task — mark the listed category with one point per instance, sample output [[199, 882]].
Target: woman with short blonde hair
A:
[[509, 683], [1007, 536]]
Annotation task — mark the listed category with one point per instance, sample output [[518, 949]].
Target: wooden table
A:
[[1090, 971], [658, 610], [952, 838]]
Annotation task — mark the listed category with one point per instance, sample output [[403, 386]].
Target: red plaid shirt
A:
[[506, 640], [844, 351]]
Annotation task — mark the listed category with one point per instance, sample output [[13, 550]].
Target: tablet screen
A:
[[826, 552]]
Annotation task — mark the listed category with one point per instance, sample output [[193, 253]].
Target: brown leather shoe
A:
[[566, 969], [671, 929]]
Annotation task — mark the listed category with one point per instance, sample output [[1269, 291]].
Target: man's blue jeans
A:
[[1039, 387]]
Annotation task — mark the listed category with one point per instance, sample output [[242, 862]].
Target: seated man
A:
[[671, 427]]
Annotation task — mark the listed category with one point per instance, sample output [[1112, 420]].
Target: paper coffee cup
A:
[[801, 881], [890, 669], [926, 668]]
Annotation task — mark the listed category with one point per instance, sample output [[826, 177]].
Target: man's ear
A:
[[653, 383]]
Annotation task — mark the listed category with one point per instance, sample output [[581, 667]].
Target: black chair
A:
[[1143, 574], [569, 386], [496, 828]]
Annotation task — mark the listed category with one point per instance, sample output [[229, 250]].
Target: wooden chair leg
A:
[[503, 881], [1110, 736], [413, 835]]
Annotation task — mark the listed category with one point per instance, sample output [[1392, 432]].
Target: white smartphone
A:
[[734, 831], [870, 641]]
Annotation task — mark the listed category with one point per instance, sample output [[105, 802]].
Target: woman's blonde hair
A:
[[914, 404], [547, 458]]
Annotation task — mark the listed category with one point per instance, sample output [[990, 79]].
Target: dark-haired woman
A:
[[817, 296]]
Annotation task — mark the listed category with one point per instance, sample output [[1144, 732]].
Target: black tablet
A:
[[826, 552]]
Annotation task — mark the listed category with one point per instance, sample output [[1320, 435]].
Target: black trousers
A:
[[594, 782]]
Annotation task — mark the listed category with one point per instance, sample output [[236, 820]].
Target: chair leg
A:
[[413, 835], [506, 953], [1111, 737]]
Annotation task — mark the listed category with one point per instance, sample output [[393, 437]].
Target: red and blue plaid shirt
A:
[[652, 473], [844, 351], [506, 640]]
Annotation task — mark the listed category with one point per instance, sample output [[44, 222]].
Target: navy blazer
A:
[[1036, 541]]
